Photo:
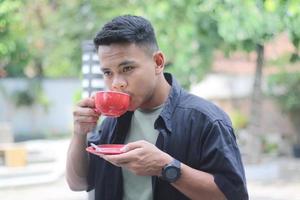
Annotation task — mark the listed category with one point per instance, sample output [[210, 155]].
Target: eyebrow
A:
[[124, 63]]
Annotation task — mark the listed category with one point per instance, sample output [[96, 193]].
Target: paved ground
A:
[[57, 190], [274, 179], [42, 179], [258, 190], [271, 179], [277, 190]]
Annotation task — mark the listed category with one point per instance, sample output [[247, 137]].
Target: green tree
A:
[[54, 30], [291, 18], [13, 48], [285, 86]]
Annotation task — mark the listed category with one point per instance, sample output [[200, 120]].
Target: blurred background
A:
[[241, 54]]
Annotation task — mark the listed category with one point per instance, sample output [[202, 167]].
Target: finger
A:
[[99, 154], [87, 102], [118, 160], [80, 111], [133, 145], [93, 95], [127, 165], [109, 159], [86, 119]]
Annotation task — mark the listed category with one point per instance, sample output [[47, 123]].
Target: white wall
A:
[[58, 119]]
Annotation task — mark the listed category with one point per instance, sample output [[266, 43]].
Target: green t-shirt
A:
[[141, 128]]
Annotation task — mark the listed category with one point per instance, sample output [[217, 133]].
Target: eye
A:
[[127, 68], [107, 73]]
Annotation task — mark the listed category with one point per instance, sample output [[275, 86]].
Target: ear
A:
[[159, 60]]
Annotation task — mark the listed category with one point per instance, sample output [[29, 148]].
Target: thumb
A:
[[131, 146]]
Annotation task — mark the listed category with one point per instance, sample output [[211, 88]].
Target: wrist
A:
[[79, 136], [165, 160]]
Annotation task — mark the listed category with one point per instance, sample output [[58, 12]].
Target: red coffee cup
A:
[[111, 103]]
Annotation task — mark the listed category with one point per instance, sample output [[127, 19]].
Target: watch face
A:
[[172, 173]]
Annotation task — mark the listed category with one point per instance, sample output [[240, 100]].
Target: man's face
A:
[[128, 68]]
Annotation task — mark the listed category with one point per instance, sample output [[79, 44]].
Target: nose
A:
[[119, 83]]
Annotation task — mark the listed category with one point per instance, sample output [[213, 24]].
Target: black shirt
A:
[[192, 130]]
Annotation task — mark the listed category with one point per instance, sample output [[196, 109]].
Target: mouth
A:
[[124, 92]]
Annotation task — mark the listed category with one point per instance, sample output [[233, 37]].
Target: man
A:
[[178, 146]]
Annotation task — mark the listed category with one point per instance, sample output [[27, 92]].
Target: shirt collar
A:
[[170, 104]]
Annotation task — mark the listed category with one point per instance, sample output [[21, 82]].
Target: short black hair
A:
[[127, 29]]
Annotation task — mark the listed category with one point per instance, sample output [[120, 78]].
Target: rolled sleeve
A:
[[221, 158]]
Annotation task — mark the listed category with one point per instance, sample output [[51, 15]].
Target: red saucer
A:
[[108, 149]]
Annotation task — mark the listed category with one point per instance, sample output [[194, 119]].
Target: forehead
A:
[[117, 52]]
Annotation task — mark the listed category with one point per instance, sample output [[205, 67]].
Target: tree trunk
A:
[[255, 128], [295, 119], [256, 101]]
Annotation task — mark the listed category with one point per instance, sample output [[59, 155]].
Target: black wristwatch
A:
[[171, 172]]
